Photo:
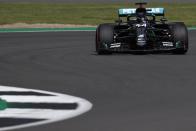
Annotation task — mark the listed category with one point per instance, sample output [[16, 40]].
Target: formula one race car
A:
[[138, 30]]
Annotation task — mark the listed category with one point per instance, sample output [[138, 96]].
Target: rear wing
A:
[[132, 11]]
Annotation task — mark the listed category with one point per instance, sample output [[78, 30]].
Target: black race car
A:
[[138, 30]]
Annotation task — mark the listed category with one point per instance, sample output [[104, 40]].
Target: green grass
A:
[[92, 14]]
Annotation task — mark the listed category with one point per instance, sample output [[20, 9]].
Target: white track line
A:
[[40, 99], [51, 115], [35, 113]]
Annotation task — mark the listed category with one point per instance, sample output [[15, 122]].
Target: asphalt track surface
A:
[[129, 92], [96, 1]]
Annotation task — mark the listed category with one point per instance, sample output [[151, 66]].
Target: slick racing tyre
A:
[[104, 37], [180, 37]]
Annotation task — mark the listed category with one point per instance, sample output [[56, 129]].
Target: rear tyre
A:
[[104, 37], [180, 37]]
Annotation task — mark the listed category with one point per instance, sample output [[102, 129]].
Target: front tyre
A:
[[104, 37], [180, 37]]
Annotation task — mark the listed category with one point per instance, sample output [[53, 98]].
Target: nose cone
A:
[[141, 40], [141, 34]]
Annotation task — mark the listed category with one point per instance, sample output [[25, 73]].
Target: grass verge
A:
[[88, 13]]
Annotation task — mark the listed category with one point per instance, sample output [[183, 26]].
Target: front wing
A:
[[125, 47]]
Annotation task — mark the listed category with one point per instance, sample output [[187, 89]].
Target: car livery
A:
[[140, 30]]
